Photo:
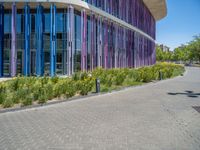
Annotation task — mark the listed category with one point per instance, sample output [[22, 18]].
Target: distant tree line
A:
[[185, 53]]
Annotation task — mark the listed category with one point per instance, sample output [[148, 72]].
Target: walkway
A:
[[5, 79], [163, 115]]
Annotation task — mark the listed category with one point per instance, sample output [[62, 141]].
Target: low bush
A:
[[28, 100], [8, 102], [133, 74], [104, 89], [25, 90], [84, 86], [119, 78], [70, 88], [2, 98], [109, 80], [2, 93], [145, 74]]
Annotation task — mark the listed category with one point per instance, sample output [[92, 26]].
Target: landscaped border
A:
[[35, 91]]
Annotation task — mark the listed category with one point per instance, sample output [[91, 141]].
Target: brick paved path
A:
[[156, 116]]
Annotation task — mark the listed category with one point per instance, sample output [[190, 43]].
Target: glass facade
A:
[[74, 39], [133, 12]]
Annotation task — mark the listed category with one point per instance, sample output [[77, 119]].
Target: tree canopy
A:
[[188, 52]]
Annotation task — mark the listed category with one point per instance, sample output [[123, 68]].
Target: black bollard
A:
[[160, 75], [97, 85]]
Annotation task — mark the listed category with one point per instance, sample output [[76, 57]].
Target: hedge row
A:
[[26, 90]]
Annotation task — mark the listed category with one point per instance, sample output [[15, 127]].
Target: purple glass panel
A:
[[126, 48], [83, 40], [92, 55], [99, 41], [70, 32], [116, 45], [105, 44], [13, 41]]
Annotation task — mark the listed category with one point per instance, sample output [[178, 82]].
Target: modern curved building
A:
[[52, 37]]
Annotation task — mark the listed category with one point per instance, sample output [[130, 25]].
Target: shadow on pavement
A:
[[187, 93], [197, 108]]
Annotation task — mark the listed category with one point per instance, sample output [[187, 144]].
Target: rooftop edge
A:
[[158, 8]]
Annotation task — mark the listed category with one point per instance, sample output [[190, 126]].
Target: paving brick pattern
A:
[[151, 117]]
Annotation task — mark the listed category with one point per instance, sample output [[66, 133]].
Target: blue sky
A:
[[181, 23]]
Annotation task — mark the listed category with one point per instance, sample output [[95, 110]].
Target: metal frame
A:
[[1, 39], [40, 41], [53, 41], [27, 32]]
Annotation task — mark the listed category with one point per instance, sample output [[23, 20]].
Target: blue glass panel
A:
[[59, 22], [19, 23], [7, 23], [47, 22]]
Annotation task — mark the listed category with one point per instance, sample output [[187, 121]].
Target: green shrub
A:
[[101, 74], [83, 75], [15, 97], [8, 102], [70, 89], [119, 78], [65, 87], [13, 85], [133, 75], [145, 74], [45, 92], [36, 90], [49, 90], [20, 94], [76, 76], [84, 86], [42, 98], [179, 70], [59, 88], [28, 100], [2, 93], [43, 95], [109, 80], [97, 72], [104, 89], [44, 80], [25, 90], [131, 82], [54, 80], [2, 98]]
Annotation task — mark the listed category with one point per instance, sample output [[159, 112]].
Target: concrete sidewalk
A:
[[5, 79], [163, 115]]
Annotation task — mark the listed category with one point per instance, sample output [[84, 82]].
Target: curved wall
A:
[[61, 39], [133, 12]]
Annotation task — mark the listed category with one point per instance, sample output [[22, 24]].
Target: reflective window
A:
[[47, 21], [88, 43], [77, 55]]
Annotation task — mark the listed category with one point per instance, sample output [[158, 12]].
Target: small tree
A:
[[159, 54], [189, 52]]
